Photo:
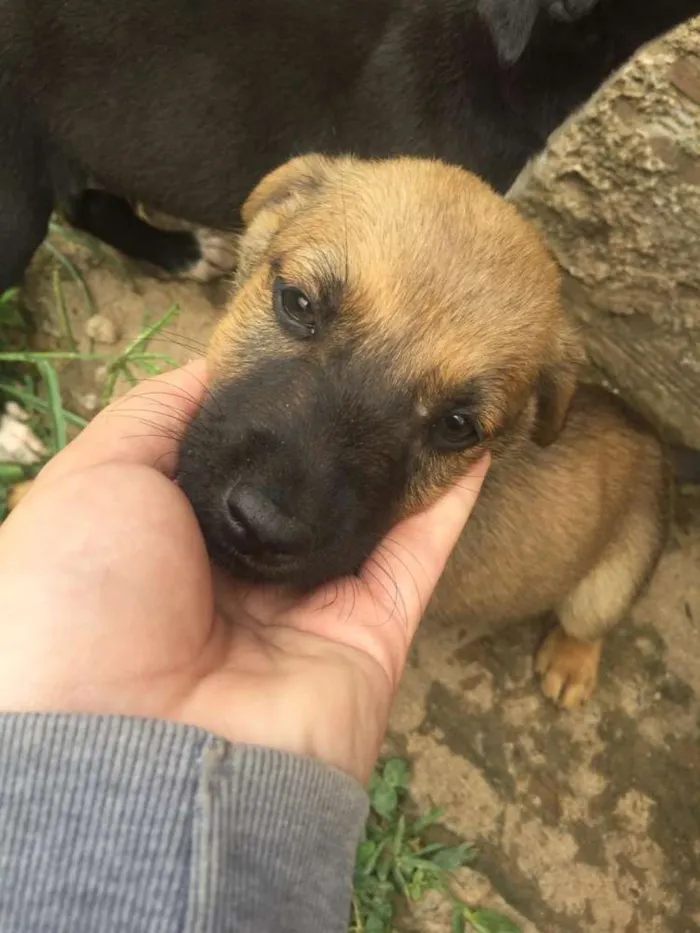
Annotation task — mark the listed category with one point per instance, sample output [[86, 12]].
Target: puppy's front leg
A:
[[200, 255], [568, 659]]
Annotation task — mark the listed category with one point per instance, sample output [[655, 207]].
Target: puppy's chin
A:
[[300, 572]]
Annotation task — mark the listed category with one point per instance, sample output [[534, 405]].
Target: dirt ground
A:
[[586, 821]]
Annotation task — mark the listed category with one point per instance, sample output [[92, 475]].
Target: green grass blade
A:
[[53, 392], [131, 353], [29, 400], [372, 862], [63, 311], [11, 473], [38, 356], [145, 336], [74, 273]]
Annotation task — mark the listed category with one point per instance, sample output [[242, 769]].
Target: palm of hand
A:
[[121, 613]]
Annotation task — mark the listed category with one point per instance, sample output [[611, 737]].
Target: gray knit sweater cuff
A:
[[122, 825]]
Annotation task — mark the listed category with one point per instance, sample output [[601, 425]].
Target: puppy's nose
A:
[[256, 524]]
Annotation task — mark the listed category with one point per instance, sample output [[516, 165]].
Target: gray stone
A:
[[617, 196]]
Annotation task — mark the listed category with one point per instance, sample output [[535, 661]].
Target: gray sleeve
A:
[[117, 825]]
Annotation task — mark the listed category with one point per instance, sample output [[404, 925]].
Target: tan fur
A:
[[390, 247], [446, 281], [568, 668]]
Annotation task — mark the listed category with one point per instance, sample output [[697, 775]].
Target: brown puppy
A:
[[392, 321]]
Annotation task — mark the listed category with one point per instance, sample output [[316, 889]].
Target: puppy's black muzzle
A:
[[295, 469]]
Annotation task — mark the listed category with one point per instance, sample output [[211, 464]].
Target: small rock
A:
[[15, 411], [90, 401], [101, 329], [18, 443], [86, 402]]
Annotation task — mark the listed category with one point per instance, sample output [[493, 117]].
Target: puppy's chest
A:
[[505, 567], [482, 587]]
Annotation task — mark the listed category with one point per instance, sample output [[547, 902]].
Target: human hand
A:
[[108, 603]]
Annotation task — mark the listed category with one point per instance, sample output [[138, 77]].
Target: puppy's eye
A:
[[294, 309], [456, 430]]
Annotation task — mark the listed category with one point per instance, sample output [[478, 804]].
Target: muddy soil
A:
[[586, 821]]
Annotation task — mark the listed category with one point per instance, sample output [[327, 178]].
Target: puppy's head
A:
[[391, 321], [511, 22]]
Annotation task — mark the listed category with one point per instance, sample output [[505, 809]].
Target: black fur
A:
[[111, 219], [511, 24], [185, 104]]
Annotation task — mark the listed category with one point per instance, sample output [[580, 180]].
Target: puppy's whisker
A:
[[331, 600], [166, 420], [163, 457], [164, 410], [354, 587], [385, 566], [206, 394], [369, 572], [466, 487], [174, 431], [157, 430], [385, 547], [173, 336], [397, 598], [175, 427], [195, 398], [161, 399], [157, 395], [172, 452]]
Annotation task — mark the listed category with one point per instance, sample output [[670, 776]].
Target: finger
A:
[[414, 554], [379, 613], [143, 426]]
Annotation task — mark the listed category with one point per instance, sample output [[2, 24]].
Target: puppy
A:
[[391, 322], [185, 105]]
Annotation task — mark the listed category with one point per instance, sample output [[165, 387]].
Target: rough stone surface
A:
[[617, 196]]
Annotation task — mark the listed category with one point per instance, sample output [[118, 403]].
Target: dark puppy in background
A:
[[184, 105], [391, 322]]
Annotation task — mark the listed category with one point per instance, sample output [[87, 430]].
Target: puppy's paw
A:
[[568, 668], [218, 256]]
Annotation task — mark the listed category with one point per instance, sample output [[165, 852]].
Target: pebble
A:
[[101, 329]]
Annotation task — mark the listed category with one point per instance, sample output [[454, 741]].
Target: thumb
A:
[[396, 582], [142, 426], [410, 560]]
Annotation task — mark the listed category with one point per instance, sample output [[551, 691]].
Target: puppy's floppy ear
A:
[[510, 23], [273, 201], [292, 182], [555, 386]]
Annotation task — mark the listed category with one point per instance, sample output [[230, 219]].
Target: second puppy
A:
[[391, 322]]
